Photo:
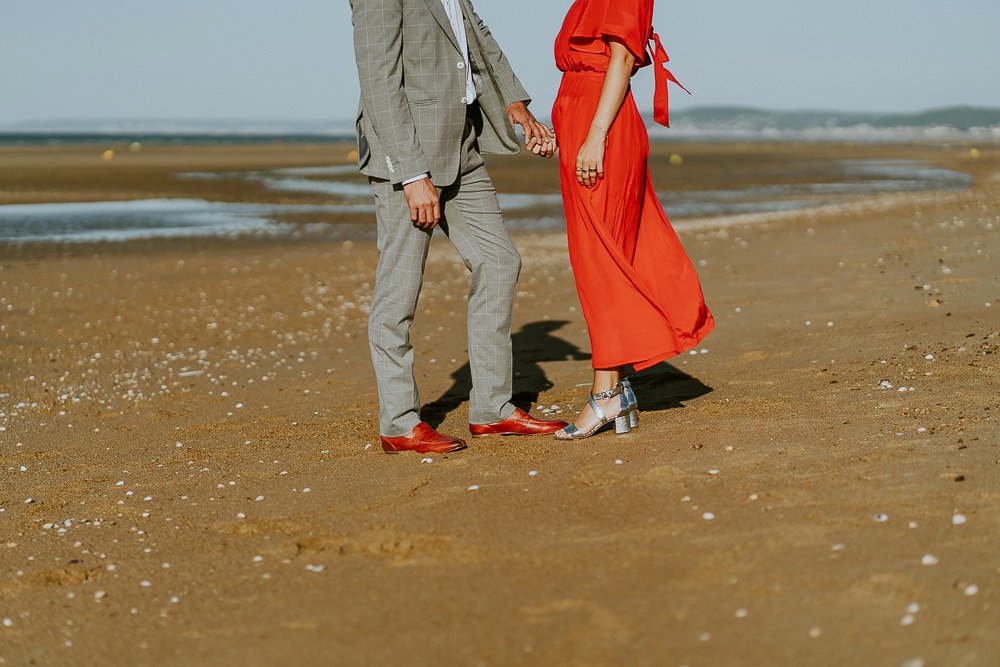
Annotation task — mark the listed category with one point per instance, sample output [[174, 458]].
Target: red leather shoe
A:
[[423, 440], [519, 423]]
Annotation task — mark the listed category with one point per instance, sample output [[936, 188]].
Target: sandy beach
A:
[[191, 472]]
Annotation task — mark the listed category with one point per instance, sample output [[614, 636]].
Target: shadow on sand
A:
[[665, 386], [533, 344], [659, 388]]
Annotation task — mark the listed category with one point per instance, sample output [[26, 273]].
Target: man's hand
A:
[[538, 138], [424, 202]]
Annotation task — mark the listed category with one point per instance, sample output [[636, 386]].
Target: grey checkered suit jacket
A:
[[412, 113]]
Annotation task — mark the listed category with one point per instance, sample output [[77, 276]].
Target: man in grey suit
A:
[[436, 91]]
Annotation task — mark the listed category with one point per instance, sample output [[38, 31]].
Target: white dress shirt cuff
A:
[[416, 178]]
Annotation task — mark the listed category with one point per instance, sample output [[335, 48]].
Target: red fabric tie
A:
[[661, 100]]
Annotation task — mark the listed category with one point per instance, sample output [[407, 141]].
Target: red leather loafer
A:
[[423, 440], [519, 423]]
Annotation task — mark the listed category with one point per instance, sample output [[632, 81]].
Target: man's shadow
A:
[[659, 388], [533, 344]]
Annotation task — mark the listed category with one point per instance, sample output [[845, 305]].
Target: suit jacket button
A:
[[465, 100], [461, 65]]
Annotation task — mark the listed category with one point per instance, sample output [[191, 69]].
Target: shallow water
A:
[[178, 218]]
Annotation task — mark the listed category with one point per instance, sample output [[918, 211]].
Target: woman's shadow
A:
[[659, 388]]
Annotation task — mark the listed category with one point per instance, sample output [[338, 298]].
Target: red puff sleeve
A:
[[626, 21]]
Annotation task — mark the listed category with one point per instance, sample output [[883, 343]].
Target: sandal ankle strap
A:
[[605, 395]]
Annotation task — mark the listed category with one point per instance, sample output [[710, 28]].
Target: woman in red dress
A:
[[640, 294]]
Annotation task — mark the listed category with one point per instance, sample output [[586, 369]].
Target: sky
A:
[[294, 59]]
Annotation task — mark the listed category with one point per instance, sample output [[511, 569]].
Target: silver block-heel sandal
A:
[[633, 412], [622, 420]]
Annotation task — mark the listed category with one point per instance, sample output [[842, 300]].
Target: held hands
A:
[[422, 196], [590, 159], [538, 138], [424, 202]]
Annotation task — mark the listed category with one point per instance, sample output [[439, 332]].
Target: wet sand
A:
[[191, 472]]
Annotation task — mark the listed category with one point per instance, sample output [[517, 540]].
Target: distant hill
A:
[[981, 123], [959, 117]]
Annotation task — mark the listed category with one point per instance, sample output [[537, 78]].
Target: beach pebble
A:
[[100, 595], [912, 524], [885, 384], [958, 519], [474, 487], [815, 632], [881, 518], [315, 568], [259, 498], [971, 590], [713, 472], [929, 559], [707, 516], [145, 583], [907, 620], [427, 459], [8, 623], [618, 462], [838, 547], [912, 608], [742, 613], [532, 473]]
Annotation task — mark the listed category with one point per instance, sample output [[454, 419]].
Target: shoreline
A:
[[237, 176]]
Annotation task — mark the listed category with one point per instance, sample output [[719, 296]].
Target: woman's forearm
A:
[[590, 159], [616, 82]]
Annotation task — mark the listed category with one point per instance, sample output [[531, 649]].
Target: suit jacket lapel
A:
[[437, 10], [471, 36]]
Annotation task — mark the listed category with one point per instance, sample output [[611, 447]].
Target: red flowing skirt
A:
[[640, 293]]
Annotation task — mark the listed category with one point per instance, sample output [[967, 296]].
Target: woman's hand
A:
[[538, 138], [545, 147], [590, 159]]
